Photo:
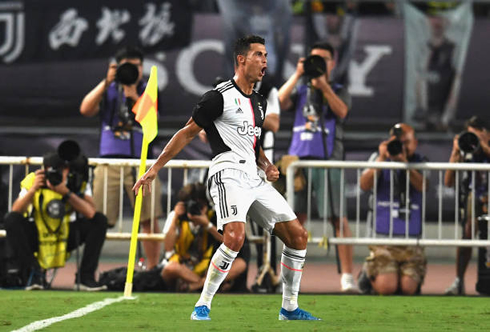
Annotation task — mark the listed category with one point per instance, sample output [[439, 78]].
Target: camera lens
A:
[[468, 142], [54, 176], [395, 147], [127, 73], [314, 66], [193, 207]]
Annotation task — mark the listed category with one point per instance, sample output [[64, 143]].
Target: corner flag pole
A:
[[146, 114], [128, 288]]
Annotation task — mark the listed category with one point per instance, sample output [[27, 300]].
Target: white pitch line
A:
[[41, 324]]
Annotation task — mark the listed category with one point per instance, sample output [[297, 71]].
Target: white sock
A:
[[292, 262], [218, 270]]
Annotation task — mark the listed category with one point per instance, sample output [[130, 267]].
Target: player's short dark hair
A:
[[128, 52], [323, 46], [477, 123], [242, 45]]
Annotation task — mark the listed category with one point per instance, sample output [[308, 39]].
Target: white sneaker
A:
[[348, 284], [457, 288]]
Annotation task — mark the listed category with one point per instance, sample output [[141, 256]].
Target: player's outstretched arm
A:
[[270, 169], [181, 138]]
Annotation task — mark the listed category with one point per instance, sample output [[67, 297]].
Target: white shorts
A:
[[236, 193]]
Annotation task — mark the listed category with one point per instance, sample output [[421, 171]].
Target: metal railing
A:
[[424, 167], [357, 239], [185, 165]]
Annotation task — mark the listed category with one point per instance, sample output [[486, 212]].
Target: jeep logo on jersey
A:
[[249, 130]]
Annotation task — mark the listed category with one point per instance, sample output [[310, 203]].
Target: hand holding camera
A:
[[39, 180], [111, 73]]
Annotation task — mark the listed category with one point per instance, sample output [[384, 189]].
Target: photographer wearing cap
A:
[[321, 107], [391, 269], [469, 146], [53, 215], [121, 137], [191, 238]]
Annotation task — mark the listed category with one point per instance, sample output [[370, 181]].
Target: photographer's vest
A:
[[309, 144], [52, 219], [110, 144], [383, 205], [194, 249]]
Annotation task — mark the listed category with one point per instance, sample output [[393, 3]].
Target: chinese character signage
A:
[[53, 30]]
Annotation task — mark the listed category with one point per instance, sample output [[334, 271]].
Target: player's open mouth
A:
[[262, 71]]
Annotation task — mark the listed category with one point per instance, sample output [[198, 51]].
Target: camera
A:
[[127, 73], [314, 66], [468, 143], [193, 207], [395, 146], [54, 175], [68, 153]]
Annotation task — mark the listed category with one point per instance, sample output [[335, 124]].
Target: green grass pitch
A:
[[171, 312]]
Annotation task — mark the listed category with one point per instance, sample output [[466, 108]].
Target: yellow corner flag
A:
[[146, 114]]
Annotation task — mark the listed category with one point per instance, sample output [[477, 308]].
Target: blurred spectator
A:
[[320, 109], [391, 269], [270, 19], [190, 241], [121, 137], [53, 215], [435, 53], [470, 146]]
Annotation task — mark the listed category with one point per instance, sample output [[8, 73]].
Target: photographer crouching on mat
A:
[[394, 269], [53, 215]]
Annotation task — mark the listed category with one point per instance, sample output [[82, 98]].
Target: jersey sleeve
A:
[[208, 109], [273, 102]]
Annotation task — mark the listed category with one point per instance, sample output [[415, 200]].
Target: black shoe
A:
[[36, 280], [89, 285], [363, 283]]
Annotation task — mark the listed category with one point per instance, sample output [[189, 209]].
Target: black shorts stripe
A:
[[224, 203], [220, 199], [221, 196]]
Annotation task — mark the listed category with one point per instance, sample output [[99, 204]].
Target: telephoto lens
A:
[[54, 176], [314, 66], [127, 73], [468, 142], [395, 147]]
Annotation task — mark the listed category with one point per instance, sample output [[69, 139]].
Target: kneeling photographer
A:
[[469, 146], [190, 241], [121, 137], [392, 269], [53, 215]]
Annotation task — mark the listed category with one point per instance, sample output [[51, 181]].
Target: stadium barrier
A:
[[425, 168], [200, 166]]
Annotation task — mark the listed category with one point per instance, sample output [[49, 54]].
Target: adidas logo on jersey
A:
[[249, 130], [239, 111]]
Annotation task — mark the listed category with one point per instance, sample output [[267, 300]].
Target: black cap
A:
[[53, 160]]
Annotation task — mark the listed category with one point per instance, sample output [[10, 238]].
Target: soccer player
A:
[[232, 115]]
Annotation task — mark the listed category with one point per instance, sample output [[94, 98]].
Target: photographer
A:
[[321, 107], [53, 215], [391, 269], [469, 146], [190, 241], [121, 137]]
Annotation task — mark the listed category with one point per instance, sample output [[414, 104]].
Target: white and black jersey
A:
[[233, 123]]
